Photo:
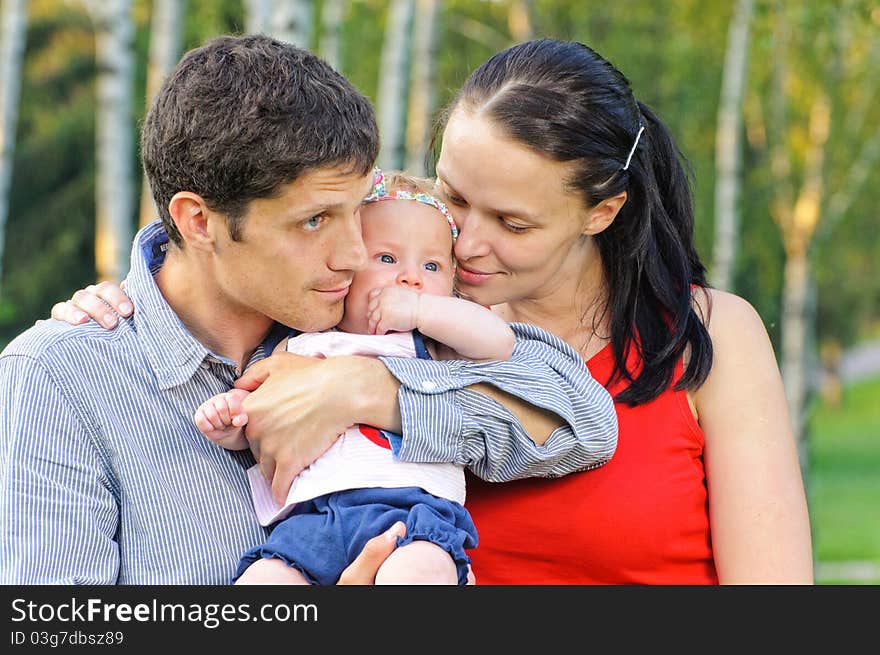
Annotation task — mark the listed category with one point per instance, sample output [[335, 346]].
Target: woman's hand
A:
[[92, 302]]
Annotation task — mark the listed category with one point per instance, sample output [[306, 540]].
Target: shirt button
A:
[[429, 385]]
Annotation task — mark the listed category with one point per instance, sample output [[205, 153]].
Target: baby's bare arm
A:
[[470, 330]]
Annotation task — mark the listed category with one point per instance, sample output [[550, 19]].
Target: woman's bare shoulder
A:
[[727, 315]]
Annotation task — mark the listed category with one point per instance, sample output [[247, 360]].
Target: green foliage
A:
[[673, 54], [844, 489]]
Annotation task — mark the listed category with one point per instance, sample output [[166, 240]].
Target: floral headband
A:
[[379, 192]]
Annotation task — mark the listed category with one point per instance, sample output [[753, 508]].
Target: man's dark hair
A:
[[243, 115]]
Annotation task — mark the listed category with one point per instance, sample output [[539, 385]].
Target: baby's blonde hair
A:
[[403, 181]]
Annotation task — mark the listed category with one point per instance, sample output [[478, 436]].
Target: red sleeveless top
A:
[[642, 518]]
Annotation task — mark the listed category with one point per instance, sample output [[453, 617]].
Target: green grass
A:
[[844, 483]]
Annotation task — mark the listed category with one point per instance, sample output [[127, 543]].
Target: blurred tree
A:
[[52, 198], [393, 71], [258, 14], [520, 20], [291, 21], [330, 43], [114, 41], [814, 132], [166, 35], [727, 146], [672, 52], [14, 27], [422, 96]]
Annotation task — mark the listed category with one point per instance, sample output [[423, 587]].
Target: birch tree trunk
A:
[[798, 227], [14, 29], [165, 43], [393, 82], [728, 146], [257, 15], [291, 21], [422, 98], [114, 36], [332, 18], [520, 20]]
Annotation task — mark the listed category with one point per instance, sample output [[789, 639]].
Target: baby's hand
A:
[[222, 419], [392, 309]]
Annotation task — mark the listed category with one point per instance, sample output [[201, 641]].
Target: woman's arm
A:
[[757, 505]]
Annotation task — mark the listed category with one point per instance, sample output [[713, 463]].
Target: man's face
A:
[[298, 251]]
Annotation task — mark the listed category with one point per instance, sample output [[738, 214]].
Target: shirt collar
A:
[[173, 353]]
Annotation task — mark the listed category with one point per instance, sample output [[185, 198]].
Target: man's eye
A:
[[432, 266], [386, 259], [315, 222]]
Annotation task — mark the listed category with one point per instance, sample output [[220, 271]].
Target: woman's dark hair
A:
[[562, 99]]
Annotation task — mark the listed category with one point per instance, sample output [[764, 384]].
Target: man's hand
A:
[[363, 569], [298, 408]]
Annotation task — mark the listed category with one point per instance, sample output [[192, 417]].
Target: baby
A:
[[402, 305]]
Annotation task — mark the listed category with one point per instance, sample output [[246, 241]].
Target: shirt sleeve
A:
[[58, 510], [444, 421]]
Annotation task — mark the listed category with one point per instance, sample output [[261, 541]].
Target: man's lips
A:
[[336, 291]]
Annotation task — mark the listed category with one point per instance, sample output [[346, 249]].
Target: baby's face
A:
[[408, 244]]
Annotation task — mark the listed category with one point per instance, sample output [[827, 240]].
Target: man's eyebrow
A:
[[314, 210]]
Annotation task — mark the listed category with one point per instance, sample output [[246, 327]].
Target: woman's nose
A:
[[472, 240]]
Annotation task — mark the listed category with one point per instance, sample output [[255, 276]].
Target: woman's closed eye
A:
[[451, 197], [516, 229]]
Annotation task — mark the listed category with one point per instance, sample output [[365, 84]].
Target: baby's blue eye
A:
[[432, 266], [386, 259]]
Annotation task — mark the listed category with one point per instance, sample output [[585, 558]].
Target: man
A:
[[258, 156]]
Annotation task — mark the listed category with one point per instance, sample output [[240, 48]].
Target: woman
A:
[[575, 214]]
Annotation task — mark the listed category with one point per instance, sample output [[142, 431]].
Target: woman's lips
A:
[[471, 276]]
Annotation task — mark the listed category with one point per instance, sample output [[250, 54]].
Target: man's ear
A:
[[190, 214], [602, 215]]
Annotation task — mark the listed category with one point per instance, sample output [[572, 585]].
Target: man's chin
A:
[[319, 321]]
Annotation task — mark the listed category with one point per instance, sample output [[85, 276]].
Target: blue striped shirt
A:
[[105, 478]]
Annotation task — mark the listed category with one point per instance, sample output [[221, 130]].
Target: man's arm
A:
[[58, 515], [538, 414], [545, 416]]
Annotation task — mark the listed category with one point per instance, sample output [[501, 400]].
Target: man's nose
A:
[[350, 253]]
